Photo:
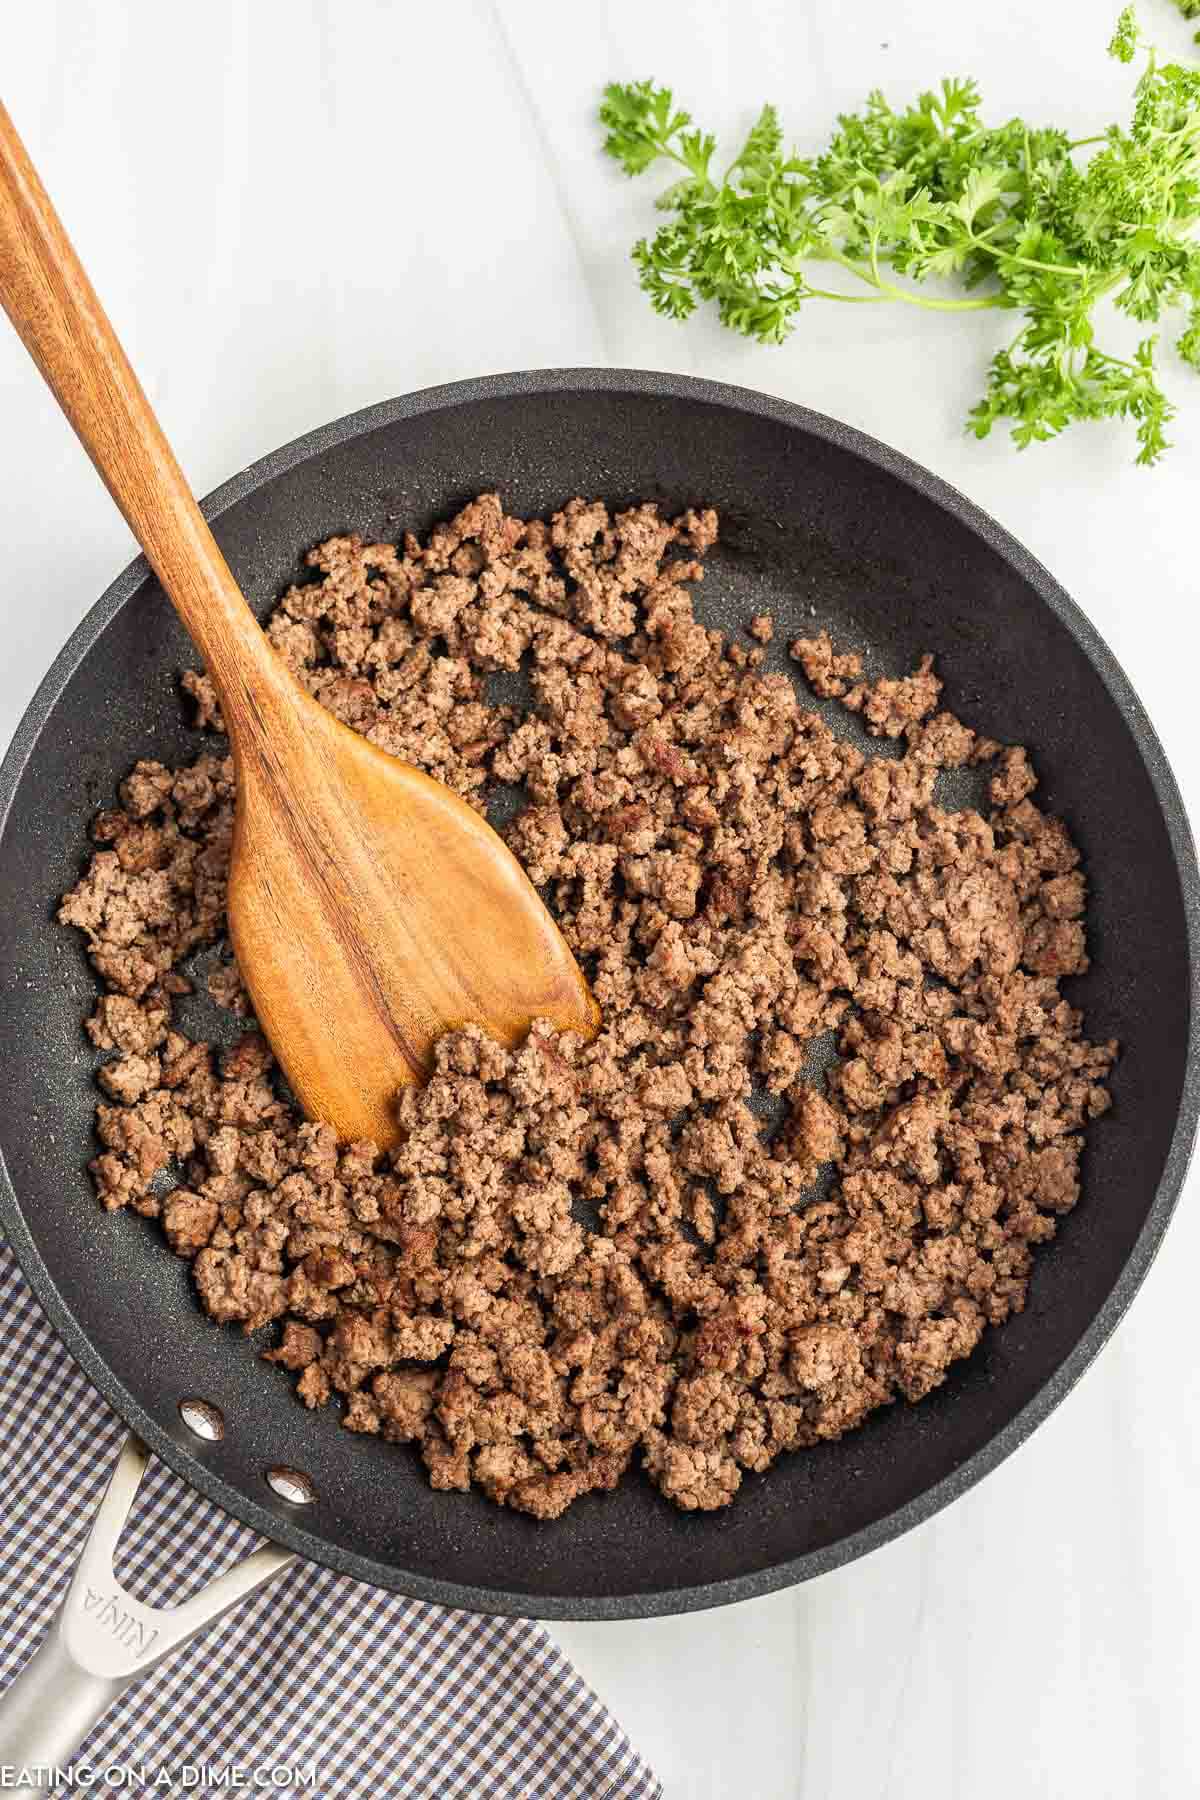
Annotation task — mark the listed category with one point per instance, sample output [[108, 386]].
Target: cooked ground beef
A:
[[584, 1251]]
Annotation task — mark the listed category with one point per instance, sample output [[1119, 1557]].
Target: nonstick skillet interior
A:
[[821, 527]]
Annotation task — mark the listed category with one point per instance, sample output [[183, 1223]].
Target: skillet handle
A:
[[102, 1639], [48, 1711]]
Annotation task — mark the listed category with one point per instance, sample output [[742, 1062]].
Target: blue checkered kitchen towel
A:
[[387, 1696]]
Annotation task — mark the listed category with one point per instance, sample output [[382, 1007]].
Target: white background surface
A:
[[293, 209]]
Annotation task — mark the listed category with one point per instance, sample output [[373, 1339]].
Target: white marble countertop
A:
[[298, 207]]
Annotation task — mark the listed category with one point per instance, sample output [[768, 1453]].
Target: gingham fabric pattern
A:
[[389, 1697]]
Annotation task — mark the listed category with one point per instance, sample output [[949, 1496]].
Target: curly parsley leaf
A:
[[1126, 37], [1013, 214]]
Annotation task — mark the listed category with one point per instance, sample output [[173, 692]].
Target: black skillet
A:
[[822, 526]]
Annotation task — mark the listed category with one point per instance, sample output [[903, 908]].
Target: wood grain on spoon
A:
[[370, 908]]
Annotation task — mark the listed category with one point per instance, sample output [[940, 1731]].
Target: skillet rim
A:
[[648, 384]]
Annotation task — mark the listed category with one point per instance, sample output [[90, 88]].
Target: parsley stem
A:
[[887, 290], [980, 241], [847, 262], [664, 149], [1031, 262], [984, 301], [806, 289], [878, 279]]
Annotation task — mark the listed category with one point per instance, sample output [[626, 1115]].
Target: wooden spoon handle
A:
[[51, 302]]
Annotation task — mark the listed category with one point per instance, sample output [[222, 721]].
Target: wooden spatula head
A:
[[371, 910]]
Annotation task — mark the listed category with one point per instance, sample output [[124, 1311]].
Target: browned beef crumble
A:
[[737, 880]]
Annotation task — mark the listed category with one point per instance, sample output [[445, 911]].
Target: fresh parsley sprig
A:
[[1014, 213]]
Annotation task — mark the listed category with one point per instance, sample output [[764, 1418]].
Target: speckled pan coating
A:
[[822, 526]]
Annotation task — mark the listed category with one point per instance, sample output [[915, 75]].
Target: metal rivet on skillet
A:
[[291, 1485], [203, 1419]]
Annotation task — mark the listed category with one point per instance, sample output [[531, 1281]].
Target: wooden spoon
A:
[[370, 908]]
